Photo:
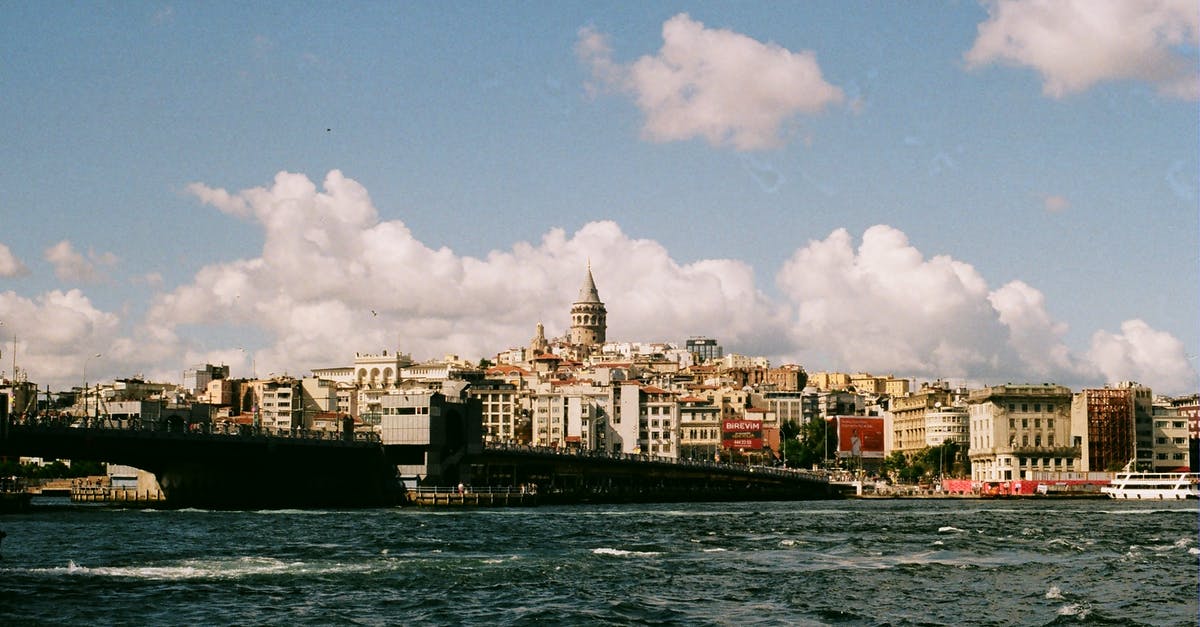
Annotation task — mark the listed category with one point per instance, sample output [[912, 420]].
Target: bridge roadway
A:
[[253, 469], [564, 476], [222, 470]]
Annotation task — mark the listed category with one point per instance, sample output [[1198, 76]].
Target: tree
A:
[[805, 445]]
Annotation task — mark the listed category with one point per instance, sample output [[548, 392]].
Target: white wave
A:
[[787, 542], [949, 529], [1193, 551], [715, 550], [1054, 593], [938, 543], [221, 569], [1074, 609], [624, 553]]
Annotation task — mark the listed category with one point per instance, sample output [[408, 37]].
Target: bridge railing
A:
[[471, 490], [199, 429], [643, 457]]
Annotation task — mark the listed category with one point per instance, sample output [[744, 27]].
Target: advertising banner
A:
[[742, 434], [860, 436]]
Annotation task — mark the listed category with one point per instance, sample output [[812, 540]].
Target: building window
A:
[[1050, 423]]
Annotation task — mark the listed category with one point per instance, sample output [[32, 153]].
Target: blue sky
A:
[[985, 192]]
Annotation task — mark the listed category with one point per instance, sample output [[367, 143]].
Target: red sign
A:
[[860, 436], [742, 434]]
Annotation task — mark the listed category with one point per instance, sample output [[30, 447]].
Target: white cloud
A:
[[1075, 44], [70, 265], [10, 265], [1143, 354], [333, 279], [54, 332], [713, 83], [886, 308]]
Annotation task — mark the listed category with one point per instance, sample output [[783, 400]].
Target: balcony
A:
[[1046, 451]]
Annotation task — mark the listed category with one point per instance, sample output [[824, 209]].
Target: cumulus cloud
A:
[[10, 265], [1075, 44], [723, 86], [333, 278], [886, 308], [71, 265], [1143, 354], [54, 332]]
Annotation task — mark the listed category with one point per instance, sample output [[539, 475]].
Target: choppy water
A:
[[804, 563]]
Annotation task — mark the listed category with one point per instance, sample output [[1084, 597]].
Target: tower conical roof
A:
[[588, 293]]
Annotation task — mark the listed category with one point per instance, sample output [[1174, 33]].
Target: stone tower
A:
[[588, 315]]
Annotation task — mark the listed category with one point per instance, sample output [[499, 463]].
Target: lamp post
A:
[[85, 382]]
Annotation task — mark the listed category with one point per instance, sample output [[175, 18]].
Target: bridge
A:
[[227, 470], [566, 476], [198, 466]]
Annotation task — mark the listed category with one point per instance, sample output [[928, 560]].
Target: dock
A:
[[471, 497]]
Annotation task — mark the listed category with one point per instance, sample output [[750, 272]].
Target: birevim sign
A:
[[742, 434]]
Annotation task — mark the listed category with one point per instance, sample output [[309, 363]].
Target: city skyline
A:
[[914, 190]]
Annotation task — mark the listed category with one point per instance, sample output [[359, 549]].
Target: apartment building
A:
[[1019, 428]]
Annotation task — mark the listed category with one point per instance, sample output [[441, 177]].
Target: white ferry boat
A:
[[1158, 486]]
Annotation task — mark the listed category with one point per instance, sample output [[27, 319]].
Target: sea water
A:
[[853, 562]]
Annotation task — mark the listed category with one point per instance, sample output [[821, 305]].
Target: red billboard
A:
[[742, 434], [860, 436]]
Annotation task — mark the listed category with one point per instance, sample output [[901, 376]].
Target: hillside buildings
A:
[[582, 391]]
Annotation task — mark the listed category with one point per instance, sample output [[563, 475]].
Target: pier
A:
[[471, 497]]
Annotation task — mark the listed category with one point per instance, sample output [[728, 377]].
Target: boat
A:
[[1154, 486]]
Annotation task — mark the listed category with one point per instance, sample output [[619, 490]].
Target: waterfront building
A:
[[500, 406], [424, 429], [659, 413], [1176, 431], [947, 424], [1117, 425], [909, 416], [280, 403], [699, 429], [1016, 429]]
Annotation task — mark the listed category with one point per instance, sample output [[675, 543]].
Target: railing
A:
[[502, 491], [174, 427]]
